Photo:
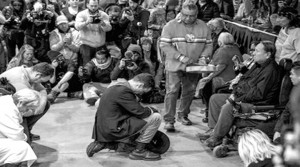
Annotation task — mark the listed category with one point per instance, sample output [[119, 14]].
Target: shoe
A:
[[77, 94], [52, 96], [92, 100], [184, 121], [94, 147], [144, 155], [205, 120], [205, 135], [213, 141], [34, 137], [170, 127]]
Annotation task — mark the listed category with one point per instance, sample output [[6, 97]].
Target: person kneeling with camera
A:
[[120, 117]]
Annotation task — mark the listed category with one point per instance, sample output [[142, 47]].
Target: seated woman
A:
[[24, 57], [288, 40], [256, 149], [222, 58], [96, 75]]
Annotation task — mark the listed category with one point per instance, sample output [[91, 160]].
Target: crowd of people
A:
[[117, 54]]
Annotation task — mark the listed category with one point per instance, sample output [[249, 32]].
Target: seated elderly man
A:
[[217, 26], [259, 85], [31, 77], [13, 148]]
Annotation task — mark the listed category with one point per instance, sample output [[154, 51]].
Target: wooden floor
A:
[[67, 127]]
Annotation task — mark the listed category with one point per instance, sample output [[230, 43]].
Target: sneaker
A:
[[52, 96], [184, 121], [144, 155], [94, 147], [205, 135], [170, 127], [213, 141], [92, 100], [34, 137], [77, 94]]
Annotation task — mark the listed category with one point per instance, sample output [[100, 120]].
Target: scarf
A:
[[103, 65]]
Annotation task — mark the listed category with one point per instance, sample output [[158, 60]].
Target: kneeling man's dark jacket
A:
[[119, 114]]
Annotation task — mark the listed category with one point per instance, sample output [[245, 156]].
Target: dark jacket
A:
[[140, 15], [208, 11], [119, 115], [226, 8], [259, 85], [95, 74], [265, 163]]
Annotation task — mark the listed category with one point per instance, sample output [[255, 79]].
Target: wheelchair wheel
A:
[[220, 151], [160, 143]]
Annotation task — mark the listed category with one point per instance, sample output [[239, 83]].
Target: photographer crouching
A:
[[37, 25], [92, 23]]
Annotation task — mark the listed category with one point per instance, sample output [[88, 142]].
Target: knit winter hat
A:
[[53, 55], [135, 48], [136, 1], [61, 19]]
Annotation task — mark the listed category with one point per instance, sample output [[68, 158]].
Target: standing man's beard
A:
[[93, 12]]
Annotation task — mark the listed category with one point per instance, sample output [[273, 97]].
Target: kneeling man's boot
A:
[[140, 153], [95, 147]]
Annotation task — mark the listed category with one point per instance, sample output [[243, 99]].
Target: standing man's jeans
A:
[[150, 129], [188, 83], [87, 53]]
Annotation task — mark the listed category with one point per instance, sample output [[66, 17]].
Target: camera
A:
[[96, 19], [128, 11], [60, 59], [114, 19], [128, 58]]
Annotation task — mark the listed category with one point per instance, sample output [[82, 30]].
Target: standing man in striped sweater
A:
[[184, 42]]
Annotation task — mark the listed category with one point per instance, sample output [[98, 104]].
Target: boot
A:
[[95, 147], [140, 153], [52, 96]]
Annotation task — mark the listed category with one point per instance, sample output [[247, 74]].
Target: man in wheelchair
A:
[[258, 86]]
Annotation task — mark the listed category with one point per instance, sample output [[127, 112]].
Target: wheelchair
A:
[[260, 113]]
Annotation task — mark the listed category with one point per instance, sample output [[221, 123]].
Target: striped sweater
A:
[[193, 41]]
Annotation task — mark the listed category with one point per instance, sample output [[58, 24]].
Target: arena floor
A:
[[67, 127]]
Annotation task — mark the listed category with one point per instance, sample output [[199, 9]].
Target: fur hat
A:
[[136, 1], [135, 48], [61, 19]]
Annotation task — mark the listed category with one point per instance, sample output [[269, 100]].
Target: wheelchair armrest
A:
[[259, 108]]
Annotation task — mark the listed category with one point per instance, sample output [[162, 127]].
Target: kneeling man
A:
[[120, 116]]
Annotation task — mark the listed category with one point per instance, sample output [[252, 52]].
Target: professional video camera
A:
[[96, 18]]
